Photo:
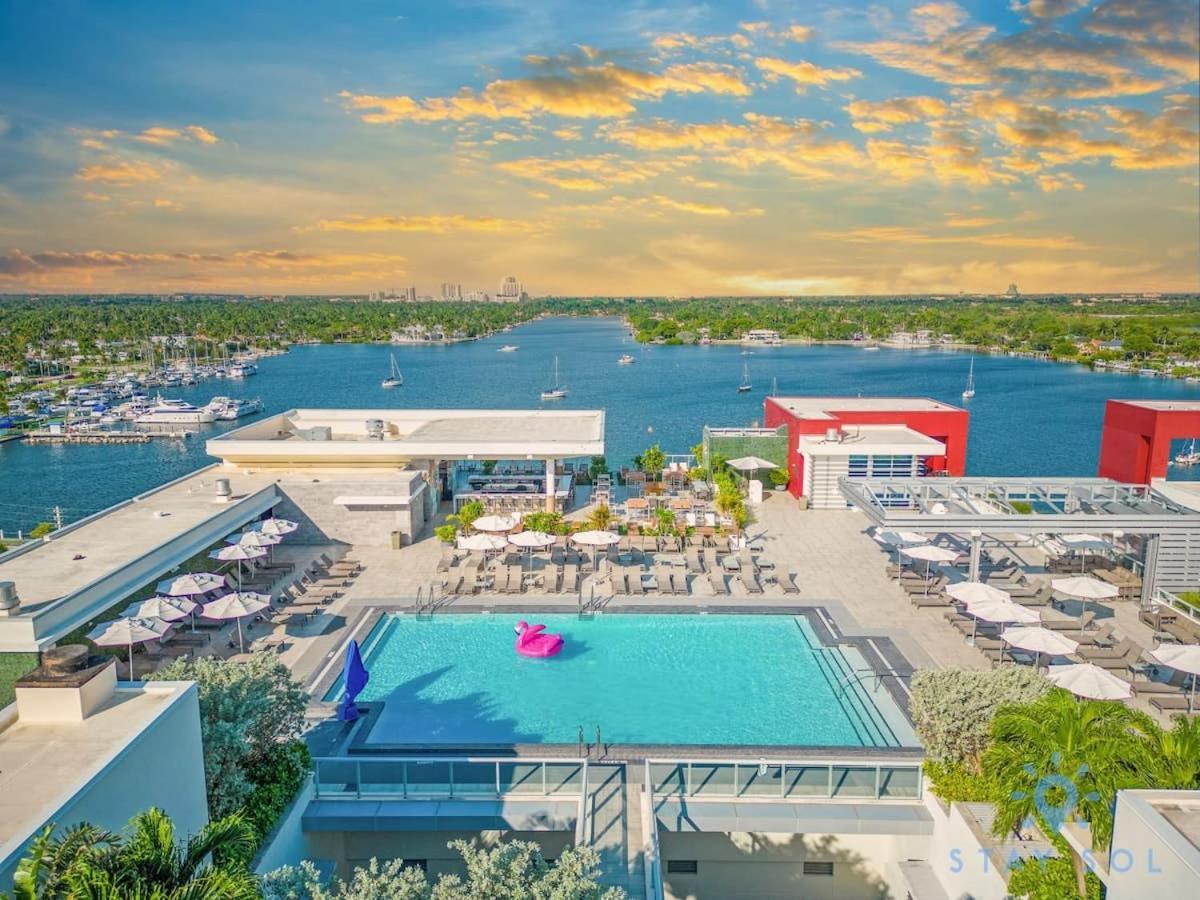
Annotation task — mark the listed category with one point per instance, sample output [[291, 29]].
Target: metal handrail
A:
[[405, 787], [734, 791]]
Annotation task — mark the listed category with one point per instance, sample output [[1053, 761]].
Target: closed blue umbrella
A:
[[355, 677]]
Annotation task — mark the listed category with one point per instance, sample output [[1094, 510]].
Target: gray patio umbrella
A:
[[274, 527], [191, 584], [236, 606], [239, 553], [127, 632], [169, 609]]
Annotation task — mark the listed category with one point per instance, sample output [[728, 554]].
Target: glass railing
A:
[[445, 778], [791, 780]]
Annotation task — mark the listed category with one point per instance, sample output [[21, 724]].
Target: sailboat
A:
[[1189, 457], [556, 392], [745, 385], [394, 379], [970, 391]]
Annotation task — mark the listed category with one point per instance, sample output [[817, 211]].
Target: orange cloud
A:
[[902, 235], [119, 172], [590, 173], [803, 73], [433, 224], [875, 116]]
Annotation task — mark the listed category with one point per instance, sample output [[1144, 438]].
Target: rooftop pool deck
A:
[[642, 679]]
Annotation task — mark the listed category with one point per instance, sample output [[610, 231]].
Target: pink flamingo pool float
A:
[[532, 641]]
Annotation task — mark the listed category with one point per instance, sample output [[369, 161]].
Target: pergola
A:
[[1029, 506]]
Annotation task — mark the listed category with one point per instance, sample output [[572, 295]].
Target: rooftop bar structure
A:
[[1135, 445]]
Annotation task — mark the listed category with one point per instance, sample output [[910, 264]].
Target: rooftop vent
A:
[[375, 429], [9, 601], [224, 491], [833, 435]]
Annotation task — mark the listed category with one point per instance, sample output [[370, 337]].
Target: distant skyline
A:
[[757, 147]]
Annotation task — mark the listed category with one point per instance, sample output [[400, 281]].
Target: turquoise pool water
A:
[[642, 679]]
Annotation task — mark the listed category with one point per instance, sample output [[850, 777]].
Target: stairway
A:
[[614, 827]]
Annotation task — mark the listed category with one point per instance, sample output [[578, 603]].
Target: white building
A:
[[1155, 846], [863, 451], [77, 746], [510, 289], [451, 291]]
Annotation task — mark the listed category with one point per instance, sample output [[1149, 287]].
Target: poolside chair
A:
[[634, 582], [516, 580], [1146, 686], [1102, 636], [694, 565], [749, 581], [346, 563], [933, 600], [710, 559], [1067, 625], [570, 578], [1173, 702], [717, 580], [679, 583], [788, 583], [447, 560], [1127, 661], [1037, 598], [1091, 654], [746, 561]]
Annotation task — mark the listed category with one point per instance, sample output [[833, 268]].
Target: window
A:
[[857, 466], [682, 867], [818, 867]]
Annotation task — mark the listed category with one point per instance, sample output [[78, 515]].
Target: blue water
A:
[[1029, 417], [643, 679]]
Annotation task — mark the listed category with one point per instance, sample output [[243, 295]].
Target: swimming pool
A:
[[642, 679]]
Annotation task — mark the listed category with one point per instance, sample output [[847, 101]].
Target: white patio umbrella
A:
[[236, 605], [898, 539], [930, 554], [169, 609], [972, 592], [239, 553], [1002, 612], [495, 523], [530, 541], [751, 464], [1038, 640], [1084, 587], [191, 584], [1084, 543], [1184, 658], [127, 632], [276, 527], [595, 540], [1089, 681], [259, 539], [484, 542]]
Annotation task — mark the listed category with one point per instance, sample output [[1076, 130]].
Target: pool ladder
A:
[[426, 602]]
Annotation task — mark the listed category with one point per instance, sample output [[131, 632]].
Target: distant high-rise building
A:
[[409, 294], [451, 291], [477, 297], [510, 289], [1012, 291]]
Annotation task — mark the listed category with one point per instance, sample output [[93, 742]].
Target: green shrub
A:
[[954, 782], [1049, 878], [40, 530], [549, 522], [952, 709], [446, 533], [780, 477], [277, 776]]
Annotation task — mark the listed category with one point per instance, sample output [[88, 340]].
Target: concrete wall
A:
[[308, 501], [761, 866], [162, 766], [957, 857], [1149, 856], [350, 849]]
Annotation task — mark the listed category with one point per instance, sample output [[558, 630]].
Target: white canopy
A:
[[531, 540], [1084, 542], [930, 553], [483, 542], [1003, 611], [973, 592], [1090, 681], [126, 633], [276, 527], [596, 538], [169, 609], [751, 464], [494, 523], [237, 552], [1039, 640], [236, 605], [1084, 587], [253, 539], [900, 538], [191, 584], [1184, 657]]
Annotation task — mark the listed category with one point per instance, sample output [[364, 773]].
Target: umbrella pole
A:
[[131, 660], [241, 642]]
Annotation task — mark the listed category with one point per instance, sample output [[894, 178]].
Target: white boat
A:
[[242, 370], [228, 409], [871, 347], [970, 391], [1190, 457], [557, 392], [395, 379], [509, 348], [625, 360], [745, 385], [175, 412]]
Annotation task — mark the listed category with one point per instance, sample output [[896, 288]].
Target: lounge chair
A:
[[746, 561], [711, 564], [634, 583], [679, 584], [933, 600], [717, 580], [1102, 636], [694, 566], [516, 579], [453, 585], [570, 578], [788, 583], [1145, 686], [1115, 652], [1121, 663], [345, 563], [1174, 702], [447, 560], [1068, 625], [750, 582]]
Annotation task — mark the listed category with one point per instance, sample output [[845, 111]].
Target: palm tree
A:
[[1059, 759], [601, 518], [1174, 755], [88, 862]]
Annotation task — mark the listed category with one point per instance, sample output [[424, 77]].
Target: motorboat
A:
[[509, 348], [228, 409], [625, 360], [242, 370], [175, 412]]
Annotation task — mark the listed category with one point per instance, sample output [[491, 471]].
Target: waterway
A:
[[1028, 417]]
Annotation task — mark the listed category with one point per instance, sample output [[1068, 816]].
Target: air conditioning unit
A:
[[375, 428]]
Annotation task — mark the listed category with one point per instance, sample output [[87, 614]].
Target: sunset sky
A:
[[313, 146]]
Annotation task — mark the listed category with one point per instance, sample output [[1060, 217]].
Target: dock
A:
[[102, 437]]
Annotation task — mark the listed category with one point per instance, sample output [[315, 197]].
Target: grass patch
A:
[[12, 667]]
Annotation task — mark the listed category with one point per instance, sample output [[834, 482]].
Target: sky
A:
[[757, 147]]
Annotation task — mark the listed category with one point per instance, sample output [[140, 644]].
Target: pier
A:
[[102, 437]]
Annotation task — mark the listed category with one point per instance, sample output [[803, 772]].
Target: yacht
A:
[[970, 390], [557, 392], [745, 386], [509, 348], [1188, 458], [394, 379], [228, 409], [175, 412], [242, 370], [625, 360]]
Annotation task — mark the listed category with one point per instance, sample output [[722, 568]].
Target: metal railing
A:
[[1166, 598], [446, 778], [774, 780]]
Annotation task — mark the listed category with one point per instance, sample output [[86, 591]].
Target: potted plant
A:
[[780, 479]]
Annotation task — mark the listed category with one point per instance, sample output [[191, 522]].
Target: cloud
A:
[[432, 224], [658, 205], [1051, 182], [875, 116], [17, 263], [798, 33], [119, 172], [1046, 9], [164, 203], [954, 221], [911, 236], [805, 74], [202, 134], [568, 133], [162, 135], [590, 173], [607, 90]]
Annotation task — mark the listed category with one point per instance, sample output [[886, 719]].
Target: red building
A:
[[1135, 445], [867, 437]]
